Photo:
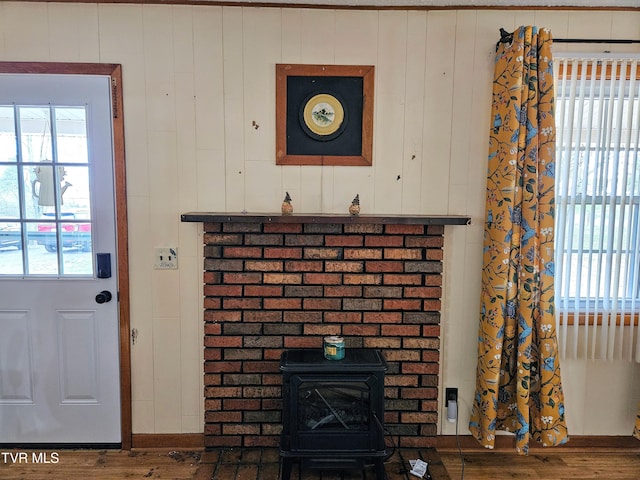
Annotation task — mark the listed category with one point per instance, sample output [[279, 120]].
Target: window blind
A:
[[597, 240]]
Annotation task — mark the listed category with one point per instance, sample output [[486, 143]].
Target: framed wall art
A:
[[324, 114]]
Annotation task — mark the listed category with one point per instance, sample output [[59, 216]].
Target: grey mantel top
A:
[[220, 217]]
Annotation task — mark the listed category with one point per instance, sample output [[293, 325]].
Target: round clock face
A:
[[323, 117]]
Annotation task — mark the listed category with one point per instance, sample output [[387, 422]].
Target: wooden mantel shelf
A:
[[218, 217]]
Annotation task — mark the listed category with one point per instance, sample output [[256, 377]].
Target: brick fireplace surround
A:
[[273, 283]]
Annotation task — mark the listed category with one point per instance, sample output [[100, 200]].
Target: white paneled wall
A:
[[199, 99]]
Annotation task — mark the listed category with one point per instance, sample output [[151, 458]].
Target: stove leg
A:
[[287, 463], [380, 473]]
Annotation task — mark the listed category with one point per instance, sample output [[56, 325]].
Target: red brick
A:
[[426, 242], [222, 367], [423, 292], [262, 316], [362, 254], [263, 265], [262, 392], [403, 253], [384, 241], [401, 380], [421, 393], [241, 404], [223, 290], [222, 392], [212, 379], [282, 278], [242, 277], [417, 442], [321, 303], [404, 229], [211, 278], [361, 330], [336, 266], [222, 341], [222, 239], [400, 279], [222, 316], [264, 441], [220, 417], [321, 253], [434, 280], [242, 252], [303, 266], [322, 278], [364, 279], [384, 266], [418, 417], [235, 429], [343, 317], [322, 329], [283, 252], [212, 303], [402, 355], [282, 303], [212, 329], [212, 354], [262, 366], [343, 240], [396, 304], [430, 356], [216, 440], [422, 343], [343, 291], [303, 342], [382, 317], [431, 330], [420, 368], [242, 303], [262, 291], [401, 330], [431, 305], [302, 317], [382, 342], [435, 230], [433, 254], [212, 227], [282, 228]]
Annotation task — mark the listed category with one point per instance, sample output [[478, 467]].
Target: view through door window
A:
[[45, 208]]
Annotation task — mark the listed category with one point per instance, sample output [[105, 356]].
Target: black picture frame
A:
[[347, 89]]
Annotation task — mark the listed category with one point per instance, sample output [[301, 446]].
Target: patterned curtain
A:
[[636, 431], [518, 386]]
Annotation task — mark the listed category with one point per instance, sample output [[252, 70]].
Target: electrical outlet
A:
[[451, 404], [450, 394], [166, 258]]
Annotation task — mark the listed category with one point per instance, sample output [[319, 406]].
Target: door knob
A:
[[104, 296]]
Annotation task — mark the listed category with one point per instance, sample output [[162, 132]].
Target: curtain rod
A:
[[506, 37]]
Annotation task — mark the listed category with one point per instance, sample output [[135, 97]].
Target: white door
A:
[[59, 350]]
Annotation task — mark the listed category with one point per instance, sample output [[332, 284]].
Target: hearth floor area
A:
[[264, 464]]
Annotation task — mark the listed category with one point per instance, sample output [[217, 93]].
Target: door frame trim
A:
[[115, 72]]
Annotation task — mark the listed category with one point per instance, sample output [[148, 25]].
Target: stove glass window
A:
[[333, 406]]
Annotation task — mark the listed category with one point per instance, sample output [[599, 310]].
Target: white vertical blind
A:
[[598, 206]]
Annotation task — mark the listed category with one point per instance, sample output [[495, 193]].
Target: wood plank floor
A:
[[263, 464], [554, 465]]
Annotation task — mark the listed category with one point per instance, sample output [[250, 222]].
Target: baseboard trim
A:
[[593, 443], [175, 441]]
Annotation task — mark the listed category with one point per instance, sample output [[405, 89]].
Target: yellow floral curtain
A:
[[636, 431], [518, 387]]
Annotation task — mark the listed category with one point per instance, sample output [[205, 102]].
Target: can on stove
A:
[[333, 348]]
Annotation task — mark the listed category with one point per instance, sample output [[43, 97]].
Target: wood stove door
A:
[[336, 413]]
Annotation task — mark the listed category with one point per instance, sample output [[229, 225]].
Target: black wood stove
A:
[[333, 410]]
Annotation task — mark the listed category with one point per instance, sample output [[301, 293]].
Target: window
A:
[[45, 212], [598, 204]]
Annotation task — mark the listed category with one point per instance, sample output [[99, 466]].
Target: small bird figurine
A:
[[354, 208], [287, 208]]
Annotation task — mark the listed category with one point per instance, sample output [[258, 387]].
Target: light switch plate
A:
[[166, 258]]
